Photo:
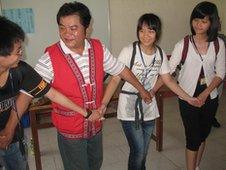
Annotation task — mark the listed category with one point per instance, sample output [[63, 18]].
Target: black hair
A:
[[10, 33], [75, 8], [207, 9], [152, 21]]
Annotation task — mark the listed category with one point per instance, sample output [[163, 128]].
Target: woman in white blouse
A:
[[201, 73]]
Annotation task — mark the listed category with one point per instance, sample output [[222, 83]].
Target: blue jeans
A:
[[12, 158], [138, 140], [81, 154]]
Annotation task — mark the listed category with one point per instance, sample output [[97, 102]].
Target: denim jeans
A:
[[138, 140], [12, 159], [81, 154]]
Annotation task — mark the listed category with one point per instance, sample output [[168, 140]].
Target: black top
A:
[[22, 78]]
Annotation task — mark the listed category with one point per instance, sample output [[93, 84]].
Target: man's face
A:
[[72, 32], [13, 59]]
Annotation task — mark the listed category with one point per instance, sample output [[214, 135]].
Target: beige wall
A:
[[223, 5], [123, 19], [174, 14]]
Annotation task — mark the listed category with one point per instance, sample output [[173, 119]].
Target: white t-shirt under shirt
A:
[[126, 104]]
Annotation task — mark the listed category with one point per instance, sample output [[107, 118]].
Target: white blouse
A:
[[212, 65]]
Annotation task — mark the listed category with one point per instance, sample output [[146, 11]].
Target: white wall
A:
[[46, 30], [174, 14], [223, 14], [0, 8]]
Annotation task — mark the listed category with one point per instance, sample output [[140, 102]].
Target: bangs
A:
[[150, 25], [199, 14], [202, 12]]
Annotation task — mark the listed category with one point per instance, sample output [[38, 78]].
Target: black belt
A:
[[137, 103]]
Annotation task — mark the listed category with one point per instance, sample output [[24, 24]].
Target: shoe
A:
[[216, 124]]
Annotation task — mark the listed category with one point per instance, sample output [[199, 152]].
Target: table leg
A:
[[159, 124], [34, 131]]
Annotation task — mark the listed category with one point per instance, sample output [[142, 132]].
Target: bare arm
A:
[[6, 134], [24, 100], [157, 86], [57, 97], [110, 89], [127, 75], [171, 83], [214, 84]]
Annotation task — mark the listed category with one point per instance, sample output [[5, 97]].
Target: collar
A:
[[66, 50]]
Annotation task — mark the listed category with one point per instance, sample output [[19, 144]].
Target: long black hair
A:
[[207, 9]]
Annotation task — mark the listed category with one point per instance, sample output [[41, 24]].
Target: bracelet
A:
[[88, 113]]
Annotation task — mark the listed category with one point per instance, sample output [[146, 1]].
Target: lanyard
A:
[[193, 41], [145, 66], [142, 58], [202, 71]]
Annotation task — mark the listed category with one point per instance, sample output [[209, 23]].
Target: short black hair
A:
[[75, 8], [207, 9], [152, 21], [10, 33]]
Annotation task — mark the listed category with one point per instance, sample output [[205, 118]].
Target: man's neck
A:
[[79, 48]]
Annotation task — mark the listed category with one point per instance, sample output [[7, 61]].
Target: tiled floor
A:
[[116, 148]]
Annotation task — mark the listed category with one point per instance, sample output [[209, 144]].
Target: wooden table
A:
[[35, 113], [39, 111]]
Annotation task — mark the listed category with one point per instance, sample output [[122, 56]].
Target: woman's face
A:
[[201, 26], [147, 36]]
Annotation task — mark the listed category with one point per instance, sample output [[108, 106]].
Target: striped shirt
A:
[[111, 64]]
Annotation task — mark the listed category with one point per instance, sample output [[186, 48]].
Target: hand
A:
[[194, 102], [146, 96], [6, 136], [94, 116]]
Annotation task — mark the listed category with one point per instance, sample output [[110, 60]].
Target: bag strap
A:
[[133, 54], [186, 45], [183, 56], [185, 49], [161, 53], [131, 60]]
